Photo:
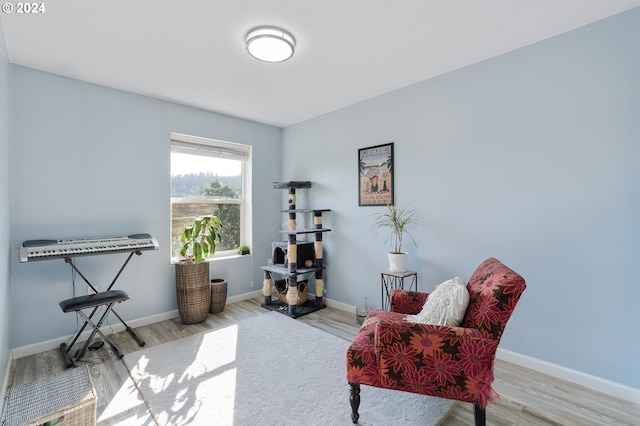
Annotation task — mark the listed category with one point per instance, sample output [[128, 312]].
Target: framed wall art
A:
[[375, 181]]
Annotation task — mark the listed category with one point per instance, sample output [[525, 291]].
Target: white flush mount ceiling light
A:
[[270, 44]]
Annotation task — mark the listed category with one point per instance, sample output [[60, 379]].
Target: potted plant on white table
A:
[[398, 221]]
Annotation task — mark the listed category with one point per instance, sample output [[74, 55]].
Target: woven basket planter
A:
[[193, 291], [218, 295]]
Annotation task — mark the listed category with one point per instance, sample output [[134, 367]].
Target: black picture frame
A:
[[375, 175]]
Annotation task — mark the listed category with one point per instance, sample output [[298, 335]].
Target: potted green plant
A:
[[244, 249], [192, 273], [199, 239], [398, 221]]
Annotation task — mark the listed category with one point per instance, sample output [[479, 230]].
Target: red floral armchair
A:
[[447, 362]]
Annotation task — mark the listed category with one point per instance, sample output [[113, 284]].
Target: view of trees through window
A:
[[197, 194], [210, 177]]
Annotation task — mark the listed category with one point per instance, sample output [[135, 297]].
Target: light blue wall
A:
[[93, 161], [531, 157], [5, 202]]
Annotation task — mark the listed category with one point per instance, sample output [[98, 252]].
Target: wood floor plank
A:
[[527, 397]]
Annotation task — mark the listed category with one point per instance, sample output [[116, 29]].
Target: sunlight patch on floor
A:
[[185, 385], [128, 405]]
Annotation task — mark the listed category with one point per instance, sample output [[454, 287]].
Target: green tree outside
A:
[[229, 214]]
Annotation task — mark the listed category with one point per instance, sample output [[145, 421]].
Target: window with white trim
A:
[[211, 177]]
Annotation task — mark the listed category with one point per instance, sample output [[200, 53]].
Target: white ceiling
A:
[[192, 52]]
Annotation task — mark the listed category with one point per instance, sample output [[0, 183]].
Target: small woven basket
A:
[[218, 295], [303, 292], [193, 291]]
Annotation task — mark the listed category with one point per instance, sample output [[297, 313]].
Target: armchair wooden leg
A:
[[479, 415], [354, 400]]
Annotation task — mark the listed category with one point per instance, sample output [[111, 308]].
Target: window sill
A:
[[216, 258]]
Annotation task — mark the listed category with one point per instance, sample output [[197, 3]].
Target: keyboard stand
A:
[[135, 337]]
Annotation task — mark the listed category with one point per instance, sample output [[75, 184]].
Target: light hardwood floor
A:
[[527, 397]]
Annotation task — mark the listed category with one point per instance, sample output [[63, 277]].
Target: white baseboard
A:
[[587, 380], [341, 306], [55, 343], [108, 329], [5, 383], [245, 296], [598, 384]]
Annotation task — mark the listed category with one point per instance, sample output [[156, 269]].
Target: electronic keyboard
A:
[[33, 250]]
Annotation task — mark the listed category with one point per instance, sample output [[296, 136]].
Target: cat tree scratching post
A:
[[299, 260]]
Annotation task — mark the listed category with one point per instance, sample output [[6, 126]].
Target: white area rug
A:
[[266, 370]]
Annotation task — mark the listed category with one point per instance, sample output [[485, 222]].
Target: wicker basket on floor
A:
[[67, 398], [218, 295], [193, 291]]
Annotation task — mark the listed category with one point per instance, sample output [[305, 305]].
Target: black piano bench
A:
[[95, 301]]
